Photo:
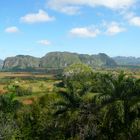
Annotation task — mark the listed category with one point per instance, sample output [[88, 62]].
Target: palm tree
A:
[[8, 104], [8, 108], [73, 108], [119, 98]]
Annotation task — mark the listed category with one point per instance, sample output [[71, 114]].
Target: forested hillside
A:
[[1, 63], [21, 62], [58, 60], [120, 60]]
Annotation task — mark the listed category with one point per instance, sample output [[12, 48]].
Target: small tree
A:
[[78, 78]]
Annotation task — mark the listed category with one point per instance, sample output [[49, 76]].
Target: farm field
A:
[[24, 75], [36, 85]]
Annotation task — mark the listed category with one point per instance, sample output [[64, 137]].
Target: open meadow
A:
[[35, 84]]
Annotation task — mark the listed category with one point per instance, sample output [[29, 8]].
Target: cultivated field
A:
[[35, 84]]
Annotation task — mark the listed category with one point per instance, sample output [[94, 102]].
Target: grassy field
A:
[[24, 75], [35, 83]]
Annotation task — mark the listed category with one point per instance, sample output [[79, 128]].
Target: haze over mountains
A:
[[133, 61], [60, 60]]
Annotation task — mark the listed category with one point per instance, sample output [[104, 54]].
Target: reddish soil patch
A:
[[27, 101], [2, 92]]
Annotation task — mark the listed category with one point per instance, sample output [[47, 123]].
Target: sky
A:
[[36, 27]]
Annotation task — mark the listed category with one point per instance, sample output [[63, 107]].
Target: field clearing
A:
[[2, 90], [137, 76], [24, 74], [36, 84]]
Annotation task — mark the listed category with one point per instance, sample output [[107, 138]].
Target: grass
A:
[[38, 84]]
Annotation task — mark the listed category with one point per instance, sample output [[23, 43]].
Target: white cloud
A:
[[128, 14], [131, 18], [114, 28], [44, 42], [60, 5], [70, 10], [135, 21], [105, 28], [84, 32], [41, 16], [12, 29]]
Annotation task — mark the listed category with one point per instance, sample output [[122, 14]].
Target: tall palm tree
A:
[[73, 108], [8, 104], [120, 98]]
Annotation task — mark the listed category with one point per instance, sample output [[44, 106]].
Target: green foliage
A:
[[84, 106], [110, 112], [18, 90], [8, 109], [8, 104], [7, 126], [78, 69]]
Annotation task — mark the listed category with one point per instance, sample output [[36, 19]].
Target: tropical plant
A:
[[8, 104], [119, 98]]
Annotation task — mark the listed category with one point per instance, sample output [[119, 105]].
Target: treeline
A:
[[54, 71], [83, 106]]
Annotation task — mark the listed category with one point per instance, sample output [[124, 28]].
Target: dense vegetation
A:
[[56, 60], [1, 63], [83, 105]]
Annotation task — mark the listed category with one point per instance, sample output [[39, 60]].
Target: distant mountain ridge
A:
[[21, 62], [58, 60], [133, 61], [1, 63]]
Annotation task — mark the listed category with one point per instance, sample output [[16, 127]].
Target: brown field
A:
[[24, 74]]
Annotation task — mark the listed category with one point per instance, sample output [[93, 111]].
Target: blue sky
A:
[[35, 27]]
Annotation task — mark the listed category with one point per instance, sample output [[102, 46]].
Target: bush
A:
[[18, 90]]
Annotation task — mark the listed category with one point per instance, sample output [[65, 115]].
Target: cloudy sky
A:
[[35, 27]]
